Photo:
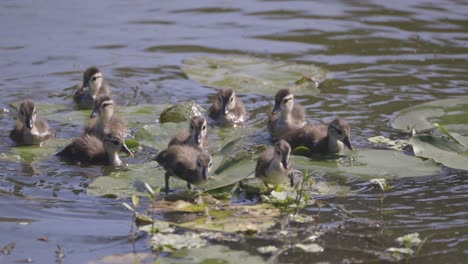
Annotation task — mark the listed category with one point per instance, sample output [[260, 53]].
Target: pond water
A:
[[381, 57]]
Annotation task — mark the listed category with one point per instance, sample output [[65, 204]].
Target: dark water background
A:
[[383, 56]]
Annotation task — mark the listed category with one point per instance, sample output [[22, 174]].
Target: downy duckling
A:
[[227, 108], [322, 139], [91, 150], [273, 165], [286, 115], [186, 163], [196, 136], [103, 119], [93, 86], [29, 129]]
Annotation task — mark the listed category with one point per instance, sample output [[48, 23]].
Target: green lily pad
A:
[[173, 242], [310, 248], [124, 183], [212, 254], [448, 112], [132, 144], [33, 153], [441, 150], [366, 164], [182, 112], [251, 74]]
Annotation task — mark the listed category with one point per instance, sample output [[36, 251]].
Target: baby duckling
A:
[[29, 129], [322, 139], [186, 163], [196, 136], [227, 108], [273, 165], [91, 150], [286, 115], [103, 119], [93, 85]]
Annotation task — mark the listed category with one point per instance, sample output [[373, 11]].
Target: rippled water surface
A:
[[382, 56]]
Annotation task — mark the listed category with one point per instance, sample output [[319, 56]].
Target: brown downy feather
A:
[[195, 136], [29, 129], [321, 138], [227, 107]]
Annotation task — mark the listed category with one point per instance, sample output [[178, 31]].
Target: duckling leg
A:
[[166, 181], [268, 191], [291, 179]]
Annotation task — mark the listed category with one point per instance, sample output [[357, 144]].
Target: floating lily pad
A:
[[251, 74], [35, 152], [172, 242], [124, 183], [366, 164], [441, 150], [132, 144], [182, 112], [449, 112], [212, 254], [218, 216]]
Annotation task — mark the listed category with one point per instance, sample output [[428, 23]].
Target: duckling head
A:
[[114, 143], [227, 97], [204, 164], [92, 80], [282, 151], [104, 107], [339, 129], [284, 101], [27, 114], [198, 129]]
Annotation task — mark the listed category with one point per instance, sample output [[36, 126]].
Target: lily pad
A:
[[251, 74], [212, 254], [182, 112], [441, 150], [172, 242], [310, 248], [366, 164], [448, 112], [124, 183], [218, 216]]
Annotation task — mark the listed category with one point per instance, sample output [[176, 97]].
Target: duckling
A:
[[322, 139], [29, 129], [227, 108], [273, 165], [91, 150], [186, 163], [196, 136], [103, 119], [285, 115], [93, 85]]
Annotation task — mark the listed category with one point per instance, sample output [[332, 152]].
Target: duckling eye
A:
[[278, 152], [94, 78], [232, 99], [204, 127], [285, 100], [198, 163], [21, 111], [339, 132], [211, 163], [192, 127]]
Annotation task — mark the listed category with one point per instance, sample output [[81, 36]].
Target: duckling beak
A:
[[205, 174], [94, 113], [28, 122], [285, 161], [85, 85], [198, 138], [276, 109], [126, 150], [226, 109], [348, 143]]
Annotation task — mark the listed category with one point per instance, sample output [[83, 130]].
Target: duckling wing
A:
[[180, 139], [263, 162]]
